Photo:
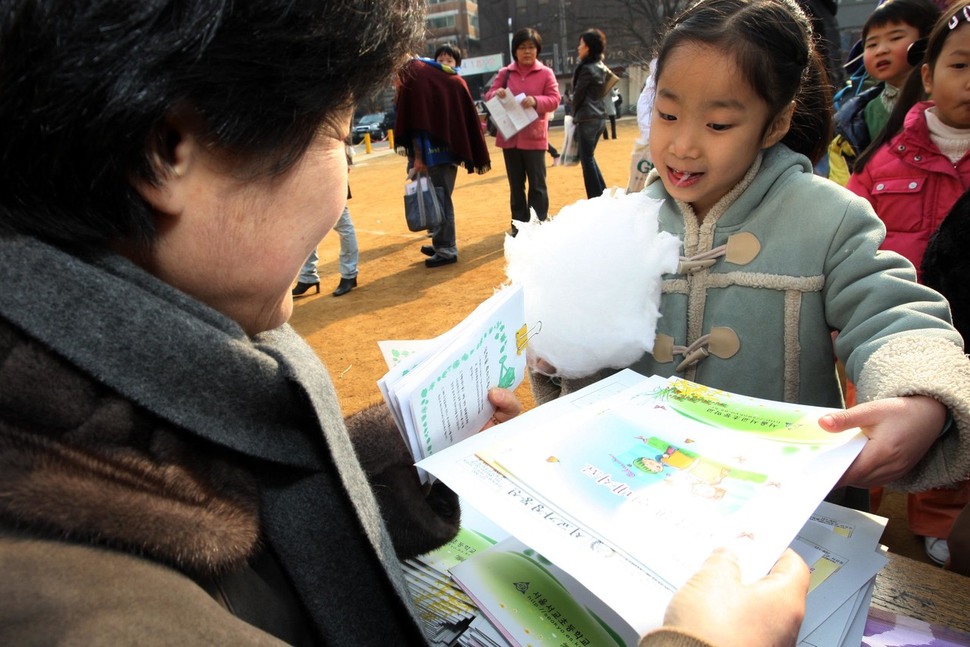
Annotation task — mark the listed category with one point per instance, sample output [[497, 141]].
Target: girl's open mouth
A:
[[683, 178]]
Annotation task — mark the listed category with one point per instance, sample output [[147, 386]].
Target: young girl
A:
[[776, 258], [912, 176]]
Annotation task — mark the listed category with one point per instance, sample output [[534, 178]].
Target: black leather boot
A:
[[303, 288], [345, 286]]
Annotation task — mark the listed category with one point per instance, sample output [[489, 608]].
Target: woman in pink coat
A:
[[525, 152]]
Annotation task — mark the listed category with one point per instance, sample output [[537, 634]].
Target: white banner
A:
[[481, 65]]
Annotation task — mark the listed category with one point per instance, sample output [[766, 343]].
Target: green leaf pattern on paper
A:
[[506, 374]]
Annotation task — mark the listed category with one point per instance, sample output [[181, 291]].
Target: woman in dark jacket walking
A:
[[589, 108]]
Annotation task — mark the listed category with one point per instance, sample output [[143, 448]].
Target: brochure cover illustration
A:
[[668, 474]]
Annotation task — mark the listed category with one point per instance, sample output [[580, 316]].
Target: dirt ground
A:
[[397, 296]]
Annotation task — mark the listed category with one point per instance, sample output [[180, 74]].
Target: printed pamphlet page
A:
[[437, 389], [509, 115], [631, 483]]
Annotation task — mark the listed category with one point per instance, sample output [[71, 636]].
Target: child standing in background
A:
[[912, 176], [886, 36], [775, 258]]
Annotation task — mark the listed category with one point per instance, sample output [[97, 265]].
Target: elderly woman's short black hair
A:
[[524, 35], [596, 42], [87, 88], [451, 50]]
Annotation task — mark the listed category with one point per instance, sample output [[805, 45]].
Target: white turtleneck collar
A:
[[952, 142]]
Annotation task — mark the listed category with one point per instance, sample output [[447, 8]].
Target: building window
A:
[[442, 22]]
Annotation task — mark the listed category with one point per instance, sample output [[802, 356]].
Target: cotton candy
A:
[[591, 278]]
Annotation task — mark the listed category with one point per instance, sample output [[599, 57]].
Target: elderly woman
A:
[[174, 468], [170, 449]]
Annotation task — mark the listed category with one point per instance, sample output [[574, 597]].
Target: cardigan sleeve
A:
[[497, 83], [548, 101]]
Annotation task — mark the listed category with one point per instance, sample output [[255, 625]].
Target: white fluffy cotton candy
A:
[[591, 278]]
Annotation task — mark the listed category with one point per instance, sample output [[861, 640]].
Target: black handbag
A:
[[422, 204]]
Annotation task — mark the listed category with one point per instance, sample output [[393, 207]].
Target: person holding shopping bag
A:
[[438, 129], [525, 152]]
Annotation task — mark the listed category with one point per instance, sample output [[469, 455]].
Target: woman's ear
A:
[[174, 155], [779, 126]]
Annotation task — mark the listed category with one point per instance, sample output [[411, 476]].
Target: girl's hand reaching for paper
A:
[[900, 432], [507, 406]]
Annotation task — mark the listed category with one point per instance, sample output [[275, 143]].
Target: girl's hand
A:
[[716, 606], [900, 432], [507, 406]]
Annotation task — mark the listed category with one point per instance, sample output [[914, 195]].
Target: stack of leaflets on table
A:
[[437, 389], [629, 484], [841, 547], [448, 614], [515, 596]]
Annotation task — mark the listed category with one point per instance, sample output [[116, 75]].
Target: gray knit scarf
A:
[[268, 398]]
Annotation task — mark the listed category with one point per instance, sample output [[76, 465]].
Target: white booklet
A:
[[632, 490], [531, 601], [437, 390], [509, 115]]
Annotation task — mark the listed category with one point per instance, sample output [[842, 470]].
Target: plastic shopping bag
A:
[[422, 204], [570, 145]]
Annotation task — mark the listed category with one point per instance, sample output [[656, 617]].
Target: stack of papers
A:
[[437, 390], [511, 595], [449, 615], [630, 483], [841, 547]]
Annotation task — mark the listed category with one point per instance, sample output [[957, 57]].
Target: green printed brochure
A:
[[438, 389], [533, 602]]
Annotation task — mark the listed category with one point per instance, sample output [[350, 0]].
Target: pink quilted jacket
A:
[[537, 81], [911, 185]]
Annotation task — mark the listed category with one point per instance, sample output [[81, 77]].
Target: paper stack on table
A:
[[841, 546], [517, 597], [630, 483], [437, 389]]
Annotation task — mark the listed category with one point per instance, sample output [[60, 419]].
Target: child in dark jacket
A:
[[886, 37]]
